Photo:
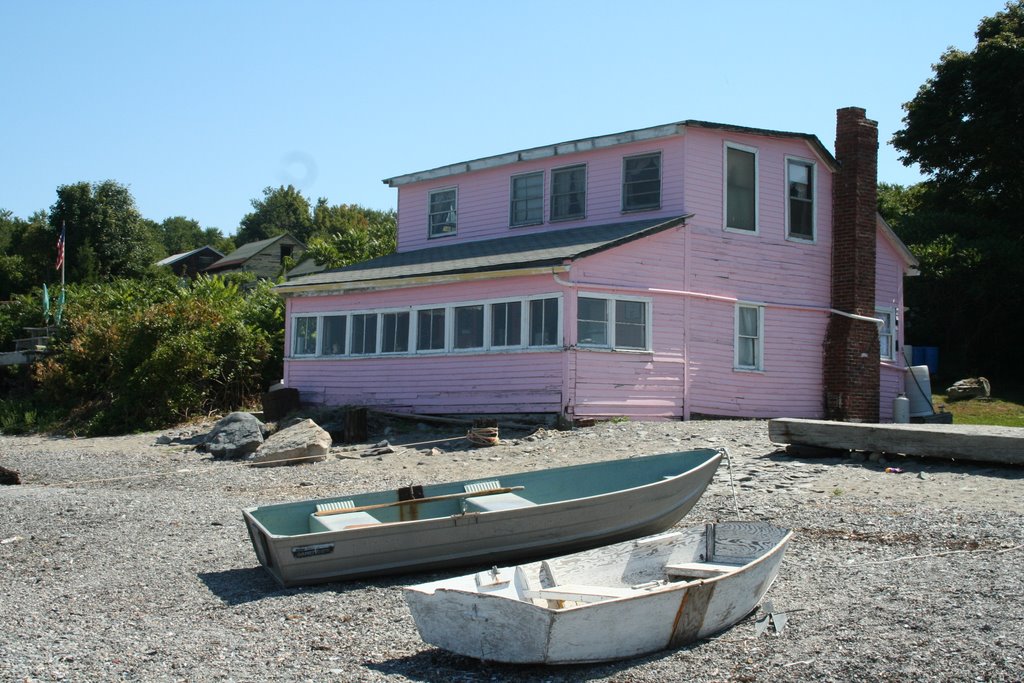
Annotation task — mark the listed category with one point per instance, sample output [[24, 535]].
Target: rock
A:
[[235, 436], [305, 442], [9, 477], [973, 387]]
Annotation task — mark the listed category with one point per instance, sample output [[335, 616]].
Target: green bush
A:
[[145, 354]]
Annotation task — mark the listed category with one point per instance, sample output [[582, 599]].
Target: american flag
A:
[[60, 249]]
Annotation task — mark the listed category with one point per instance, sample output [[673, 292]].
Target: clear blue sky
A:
[[197, 106]]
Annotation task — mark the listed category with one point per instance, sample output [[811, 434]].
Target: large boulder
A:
[[304, 442], [235, 436], [973, 387]]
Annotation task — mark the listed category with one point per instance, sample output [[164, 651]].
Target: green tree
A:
[[963, 128], [28, 252], [349, 233], [964, 125], [281, 210], [101, 219]]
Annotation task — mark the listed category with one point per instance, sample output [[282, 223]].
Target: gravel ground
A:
[[124, 560]]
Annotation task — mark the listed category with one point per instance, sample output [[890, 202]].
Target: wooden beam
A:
[[981, 443]]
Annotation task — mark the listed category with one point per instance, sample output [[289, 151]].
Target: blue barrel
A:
[[926, 355]]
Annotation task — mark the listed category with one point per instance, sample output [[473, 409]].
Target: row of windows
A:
[[641, 191], [520, 323], [603, 322], [741, 193]]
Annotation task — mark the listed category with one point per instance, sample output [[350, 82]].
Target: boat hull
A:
[[464, 537], [500, 626]]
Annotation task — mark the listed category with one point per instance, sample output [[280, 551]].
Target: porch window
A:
[[430, 329], [544, 322], [613, 322], [334, 335], [800, 207], [740, 188], [641, 182], [886, 333], [527, 205], [304, 337], [592, 321], [364, 333], [506, 323], [469, 327], [568, 192], [394, 332], [749, 337], [443, 212]]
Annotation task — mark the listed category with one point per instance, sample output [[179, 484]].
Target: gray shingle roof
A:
[[505, 253]]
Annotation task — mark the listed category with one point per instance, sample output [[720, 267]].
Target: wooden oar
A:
[[417, 501]]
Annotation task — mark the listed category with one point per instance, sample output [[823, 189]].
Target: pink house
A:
[[691, 268]]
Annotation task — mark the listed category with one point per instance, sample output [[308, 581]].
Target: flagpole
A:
[[63, 261]]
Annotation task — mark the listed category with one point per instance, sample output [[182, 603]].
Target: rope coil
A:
[[483, 436]]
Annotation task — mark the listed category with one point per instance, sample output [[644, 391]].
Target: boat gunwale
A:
[[714, 460]]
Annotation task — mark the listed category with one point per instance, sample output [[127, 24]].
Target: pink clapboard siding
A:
[[527, 381], [889, 270], [483, 196], [463, 383]]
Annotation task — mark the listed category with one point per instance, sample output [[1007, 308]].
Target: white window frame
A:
[[449, 328], [758, 365], [559, 322], [611, 322], [887, 313], [725, 188], [316, 334], [551, 198], [489, 323], [430, 213], [321, 328], [380, 331], [812, 169], [661, 170], [512, 200]]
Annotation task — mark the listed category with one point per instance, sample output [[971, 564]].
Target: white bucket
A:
[[919, 391]]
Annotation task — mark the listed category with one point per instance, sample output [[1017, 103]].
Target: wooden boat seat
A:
[[340, 521], [700, 570], [494, 502], [579, 593]]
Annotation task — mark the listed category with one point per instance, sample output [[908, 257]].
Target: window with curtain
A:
[[304, 336], [442, 216], [749, 337], [741, 189], [886, 334]]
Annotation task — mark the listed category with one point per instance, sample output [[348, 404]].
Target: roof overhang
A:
[[325, 289], [601, 142]]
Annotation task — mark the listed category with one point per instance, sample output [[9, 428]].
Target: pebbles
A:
[[132, 563]]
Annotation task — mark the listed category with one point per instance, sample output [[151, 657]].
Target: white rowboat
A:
[[614, 602]]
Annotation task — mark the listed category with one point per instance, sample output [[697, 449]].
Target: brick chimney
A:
[[851, 346]]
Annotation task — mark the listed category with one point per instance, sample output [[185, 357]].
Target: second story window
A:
[[740, 188], [568, 193], [443, 212], [800, 210], [641, 182], [527, 205]]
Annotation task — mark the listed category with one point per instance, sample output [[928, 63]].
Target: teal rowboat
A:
[[486, 520]]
